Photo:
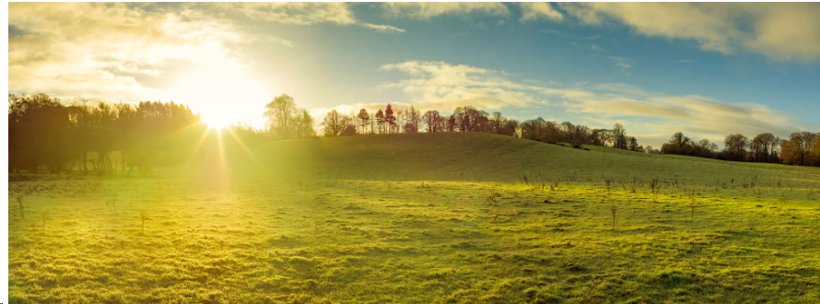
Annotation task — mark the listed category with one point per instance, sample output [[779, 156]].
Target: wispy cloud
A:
[[382, 27], [531, 11], [595, 47], [624, 64], [428, 10], [780, 31], [301, 13], [442, 85], [445, 86]]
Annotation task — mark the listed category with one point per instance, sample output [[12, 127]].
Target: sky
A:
[[705, 69]]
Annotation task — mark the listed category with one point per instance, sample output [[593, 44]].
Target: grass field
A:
[[424, 218]]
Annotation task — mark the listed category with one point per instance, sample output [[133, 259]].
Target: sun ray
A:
[[199, 143], [244, 147]]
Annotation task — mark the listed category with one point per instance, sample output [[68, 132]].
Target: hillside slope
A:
[[490, 157]]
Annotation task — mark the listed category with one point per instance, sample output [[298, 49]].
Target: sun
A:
[[222, 98], [215, 122]]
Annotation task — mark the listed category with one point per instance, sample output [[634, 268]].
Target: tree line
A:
[[800, 148], [471, 119], [46, 133]]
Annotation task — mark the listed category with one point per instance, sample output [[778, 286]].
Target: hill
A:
[[490, 157], [420, 218]]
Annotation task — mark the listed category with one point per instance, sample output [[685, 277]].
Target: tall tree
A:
[[390, 119], [619, 136], [333, 124], [677, 144], [364, 118], [450, 125], [304, 126], [380, 120], [497, 122], [735, 146], [280, 113], [796, 150], [433, 121], [412, 120]]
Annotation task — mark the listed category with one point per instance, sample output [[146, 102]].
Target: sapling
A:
[[20, 203], [692, 221], [613, 209]]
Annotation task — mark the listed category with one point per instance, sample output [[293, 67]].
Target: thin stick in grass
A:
[[614, 209], [20, 203]]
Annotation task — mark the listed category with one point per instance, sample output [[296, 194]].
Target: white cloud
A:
[[595, 47], [531, 11], [382, 28], [443, 86], [780, 31], [110, 51], [73, 49], [302, 13], [428, 10], [625, 64]]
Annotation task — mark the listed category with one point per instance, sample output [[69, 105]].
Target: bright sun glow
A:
[[216, 122], [223, 97]]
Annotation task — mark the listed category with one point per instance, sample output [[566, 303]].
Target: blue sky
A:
[[705, 69]]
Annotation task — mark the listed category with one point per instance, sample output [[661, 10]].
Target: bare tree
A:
[[333, 124], [363, 119], [390, 119], [735, 146], [433, 120], [280, 113], [380, 120]]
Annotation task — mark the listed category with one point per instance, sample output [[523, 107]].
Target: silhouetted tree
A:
[[797, 149], [469, 119], [450, 126], [390, 119], [433, 120], [678, 144], [735, 146], [38, 134], [763, 146], [413, 119], [333, 124], [364, 118], [280, 113], [510, 127], [380, 120], [619, 136], [304, 125]]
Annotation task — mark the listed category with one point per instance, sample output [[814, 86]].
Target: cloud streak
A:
[[445, 86], [779, 31], [429, 10], [531, 11]]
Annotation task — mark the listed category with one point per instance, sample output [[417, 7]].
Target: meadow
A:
[[420, 218]]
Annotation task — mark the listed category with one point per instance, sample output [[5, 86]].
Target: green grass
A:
[[424, 218]]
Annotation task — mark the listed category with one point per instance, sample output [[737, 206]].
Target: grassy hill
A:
[[421, 218], [490, 157]]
